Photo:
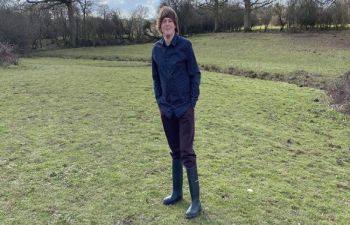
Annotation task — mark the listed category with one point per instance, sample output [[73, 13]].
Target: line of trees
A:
[[235, 15], [35, 23]]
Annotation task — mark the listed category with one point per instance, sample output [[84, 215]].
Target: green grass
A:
[[274, 53], [81, 142], [324, 55], [269, 28]]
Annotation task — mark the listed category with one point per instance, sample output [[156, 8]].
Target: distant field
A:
[[277, 28], [81, 142], [323, 55]]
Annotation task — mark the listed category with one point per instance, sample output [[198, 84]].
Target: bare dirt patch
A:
[[328, 39], [339, 91], [300, 77]]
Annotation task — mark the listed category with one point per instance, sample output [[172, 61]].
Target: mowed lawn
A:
[[81, 142], [324, 55]]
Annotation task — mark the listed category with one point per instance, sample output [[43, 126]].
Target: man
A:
[[176, 79]]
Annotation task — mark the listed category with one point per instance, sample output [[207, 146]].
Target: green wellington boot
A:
[[195, 207], [177, 184]]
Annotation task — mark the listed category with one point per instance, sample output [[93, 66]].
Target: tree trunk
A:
[[84, 24], [72, 27], [282, 24], [247, 19], [216, 16]]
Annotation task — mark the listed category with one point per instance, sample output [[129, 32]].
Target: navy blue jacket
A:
[[176, 76]]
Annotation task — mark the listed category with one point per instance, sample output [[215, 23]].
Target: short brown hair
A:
[[167, 12]]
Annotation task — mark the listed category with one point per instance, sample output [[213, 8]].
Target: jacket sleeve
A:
[[195, 75], [156, 79]]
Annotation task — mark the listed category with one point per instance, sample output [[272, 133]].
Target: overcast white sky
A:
[[126, 6]]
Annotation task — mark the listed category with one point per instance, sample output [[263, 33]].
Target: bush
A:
[[339, 91], [7, 55]]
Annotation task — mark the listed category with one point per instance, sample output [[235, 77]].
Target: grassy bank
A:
[[309, 59]]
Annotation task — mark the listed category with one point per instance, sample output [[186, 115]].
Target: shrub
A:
[[7, 55], [339, 91]]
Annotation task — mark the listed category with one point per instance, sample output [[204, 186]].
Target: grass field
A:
[[323, 55], [81, 142]]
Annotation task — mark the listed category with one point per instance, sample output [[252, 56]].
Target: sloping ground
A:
[[81, 142], [310, 59], [328, 40]]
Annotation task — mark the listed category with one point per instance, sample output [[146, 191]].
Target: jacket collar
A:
[[173, 41]]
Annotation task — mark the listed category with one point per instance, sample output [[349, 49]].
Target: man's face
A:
[[168, 27]]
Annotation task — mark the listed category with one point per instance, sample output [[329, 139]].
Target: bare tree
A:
[[15, 27], [249, 6], [105, 27], [305, 13], [324, 2], [137, 21], [265, 16], [103, 10], [4, 4], [86, 8], [186, 15], [172, 3], [117, 22], [214, 6], [232, 17], [339, 13], [70, 8], [280, 11]]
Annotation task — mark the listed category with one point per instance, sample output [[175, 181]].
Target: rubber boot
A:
[[176, 195], [193, 183]]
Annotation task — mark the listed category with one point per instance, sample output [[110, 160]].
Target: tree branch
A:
[[257, 4]]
